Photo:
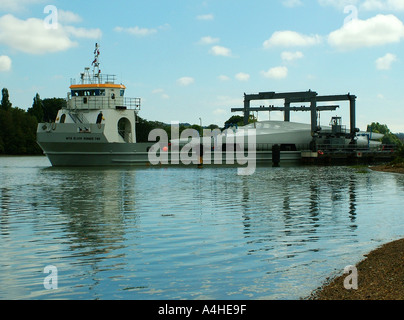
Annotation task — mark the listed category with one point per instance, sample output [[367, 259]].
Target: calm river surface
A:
[[187, 233]]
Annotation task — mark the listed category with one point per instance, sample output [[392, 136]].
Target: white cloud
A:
[[17, 5], [220, 51], [340, 4], [185, 81], [292, 3], [242, 76], [31, 36], [376, 31], [223, 78], [136, 31], [205, 17], [291, 39], [208, 40], [384, 63], [276, 73], [34, 36], [290, 56], [5, 63], [161, 93], [83, 32], [391, 5], [68, 17], [219, 112], [372, 5]]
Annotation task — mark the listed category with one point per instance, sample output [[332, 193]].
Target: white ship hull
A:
[[68, 145], [65, 145]]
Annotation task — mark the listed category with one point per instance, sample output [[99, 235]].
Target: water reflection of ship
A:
[[94, 208], [306, 208]]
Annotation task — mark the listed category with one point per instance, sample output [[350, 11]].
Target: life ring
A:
[[321, 153]]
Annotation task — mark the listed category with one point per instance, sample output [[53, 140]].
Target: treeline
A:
[[389, 137], [18, 126], [144, 127]]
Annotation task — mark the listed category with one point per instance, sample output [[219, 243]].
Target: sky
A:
[[193, 60]]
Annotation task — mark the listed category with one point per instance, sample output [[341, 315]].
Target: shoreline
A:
[[380, 277], [391, 168]]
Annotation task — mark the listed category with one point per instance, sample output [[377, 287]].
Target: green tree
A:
[[376, 127], [235, 120], [6, 130], [144, 127], [37, 109], [5, 102], [389, 137], [401, 151], [51, 108], [17, 129]]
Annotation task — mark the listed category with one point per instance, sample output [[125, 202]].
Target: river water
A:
[[187, 233]]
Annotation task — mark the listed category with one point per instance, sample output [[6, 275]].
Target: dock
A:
[[333, 145], [348, 157]]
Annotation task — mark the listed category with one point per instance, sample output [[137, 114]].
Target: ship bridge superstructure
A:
[[96, 103], [95, 91]]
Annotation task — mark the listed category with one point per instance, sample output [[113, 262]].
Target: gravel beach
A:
[[380, 277], [393, 168]]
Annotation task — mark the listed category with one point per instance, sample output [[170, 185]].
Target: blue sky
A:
[[195, 59]]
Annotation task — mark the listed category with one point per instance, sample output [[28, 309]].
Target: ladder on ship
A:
[[78, 117]]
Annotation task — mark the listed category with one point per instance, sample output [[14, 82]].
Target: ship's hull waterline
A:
[[114, 154], [69, 145]]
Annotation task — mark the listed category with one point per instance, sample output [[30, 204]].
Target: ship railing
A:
[[335, 130], [132, 103], [98, 103], [355, 147], [95, 79], [263, 147]]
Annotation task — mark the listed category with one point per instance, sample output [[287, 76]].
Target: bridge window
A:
[[88, 93]]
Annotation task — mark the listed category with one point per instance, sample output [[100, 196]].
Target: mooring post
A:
[[276, 155], [201, 153]]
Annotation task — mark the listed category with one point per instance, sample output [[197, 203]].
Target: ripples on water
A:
[[187, 233]]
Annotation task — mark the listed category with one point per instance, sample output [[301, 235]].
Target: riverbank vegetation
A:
[[18, 126], [389, 137], [396, 166]]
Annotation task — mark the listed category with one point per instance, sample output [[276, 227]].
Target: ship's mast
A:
[[96, 63]]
